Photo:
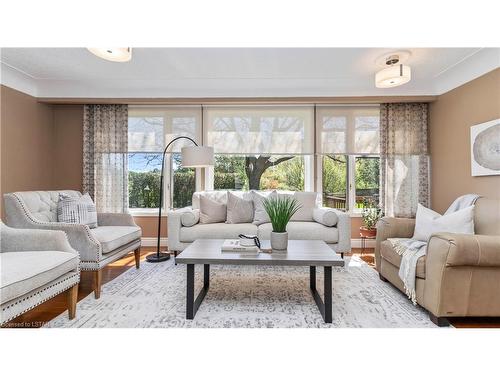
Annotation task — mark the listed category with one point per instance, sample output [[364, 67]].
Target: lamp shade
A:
[[393, 76], [197, 156]]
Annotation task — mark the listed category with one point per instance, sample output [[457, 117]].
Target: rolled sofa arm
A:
[[174, 225], [14, 240], [115, 219], [344, 228], [466, 249], [392, 227]]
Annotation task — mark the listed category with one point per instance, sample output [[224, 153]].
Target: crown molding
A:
[[17, 80]]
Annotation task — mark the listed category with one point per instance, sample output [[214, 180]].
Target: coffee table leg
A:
[[325, 307], [328, 294], [190, 292], [192, 305]]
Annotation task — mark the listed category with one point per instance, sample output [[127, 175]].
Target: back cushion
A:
[[487, 216], [307, 201], [42, 205], [217, 196]]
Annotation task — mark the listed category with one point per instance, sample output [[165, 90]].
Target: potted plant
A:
[[280, 210], [371, 214]]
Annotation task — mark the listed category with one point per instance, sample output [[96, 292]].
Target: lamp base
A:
[[156, 258]]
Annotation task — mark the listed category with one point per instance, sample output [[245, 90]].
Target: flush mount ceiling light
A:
[[122, 54], [396, 74]]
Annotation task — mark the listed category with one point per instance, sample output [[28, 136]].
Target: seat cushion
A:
[[216, 231], [113, 237], [303, 230], [24, 271], [387, 252]]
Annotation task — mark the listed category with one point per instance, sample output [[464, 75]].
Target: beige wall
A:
[[451, 117], [27, 143]]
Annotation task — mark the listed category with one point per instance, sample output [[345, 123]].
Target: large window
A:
[[149, 131], [348, 140], [260, 147]]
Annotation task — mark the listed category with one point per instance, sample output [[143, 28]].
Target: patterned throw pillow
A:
[[77, 210]]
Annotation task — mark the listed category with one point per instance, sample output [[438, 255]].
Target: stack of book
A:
[[234, 246]]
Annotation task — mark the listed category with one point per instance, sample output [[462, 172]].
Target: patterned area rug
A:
[[246, 297]]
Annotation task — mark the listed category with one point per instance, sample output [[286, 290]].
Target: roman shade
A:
[[260, 130], [347, 130], [151, 128]]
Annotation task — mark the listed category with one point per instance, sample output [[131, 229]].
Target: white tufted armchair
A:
[[115, 236]]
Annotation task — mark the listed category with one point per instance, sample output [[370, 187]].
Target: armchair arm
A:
[[392, 227], [344, 228], [466, 249], [114, 219], [14, 240]]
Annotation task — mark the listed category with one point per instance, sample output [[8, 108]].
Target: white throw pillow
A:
[[239, 210], [326, 216], [77, 210], [211, 211], [307, 202], [190, 218], [428, 222], [260, 215]]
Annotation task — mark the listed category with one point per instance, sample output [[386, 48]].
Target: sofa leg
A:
[[175, 257], [382, 277], [137, 254], [439, 321], [342, 255], [72, 298], [97, 283]]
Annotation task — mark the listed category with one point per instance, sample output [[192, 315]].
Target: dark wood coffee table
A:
[[309, 253]]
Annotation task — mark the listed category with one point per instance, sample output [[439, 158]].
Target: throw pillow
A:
[[326, 216], [190, 218], [260, 215], [307, 202], [211, 211], [239, 210], [428, 222], [77, 210]]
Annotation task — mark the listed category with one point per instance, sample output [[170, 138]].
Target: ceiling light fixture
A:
[[395, 75], [122, 54]]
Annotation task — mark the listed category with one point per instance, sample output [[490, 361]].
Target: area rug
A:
[[246, 297]]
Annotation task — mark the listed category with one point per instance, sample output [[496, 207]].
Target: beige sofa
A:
[[338, 237], [460, 275]]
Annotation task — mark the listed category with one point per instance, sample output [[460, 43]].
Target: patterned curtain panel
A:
[[404, 158], [105, 146]]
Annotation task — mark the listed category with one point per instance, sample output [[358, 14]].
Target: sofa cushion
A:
[[387, 252], [216, 231], [113, 237], [303, 230], [239, 210], [212, 211], [24, 271], [307, 202]]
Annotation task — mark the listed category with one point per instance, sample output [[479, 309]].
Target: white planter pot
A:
[[279, 241]]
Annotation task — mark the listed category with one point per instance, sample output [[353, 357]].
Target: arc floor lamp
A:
[[192, 157]]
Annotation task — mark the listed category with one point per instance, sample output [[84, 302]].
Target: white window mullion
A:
[[351, 177]]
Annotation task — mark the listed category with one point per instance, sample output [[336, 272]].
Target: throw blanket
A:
[[411, 250]]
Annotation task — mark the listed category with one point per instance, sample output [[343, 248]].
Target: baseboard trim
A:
[[151, 242]]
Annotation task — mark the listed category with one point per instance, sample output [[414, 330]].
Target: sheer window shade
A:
[[257, 130], [151, 128], [347, 130]]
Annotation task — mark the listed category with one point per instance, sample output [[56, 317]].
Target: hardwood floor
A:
[[49, 310]]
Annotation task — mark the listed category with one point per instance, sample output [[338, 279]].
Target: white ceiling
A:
[[236, 72]]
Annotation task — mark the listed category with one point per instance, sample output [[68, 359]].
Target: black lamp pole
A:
[[160, 257]]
